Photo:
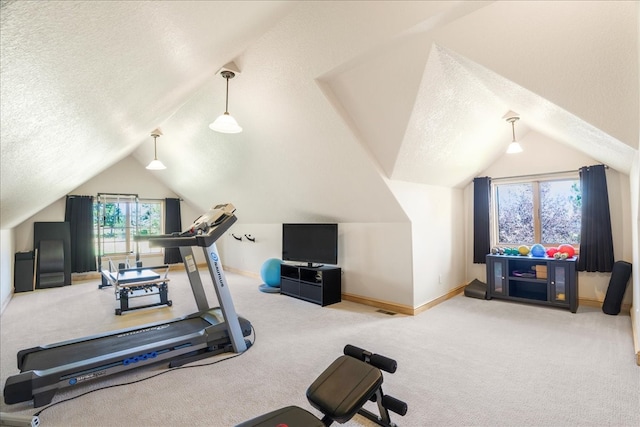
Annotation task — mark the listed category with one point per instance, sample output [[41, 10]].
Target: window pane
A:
[[149, 218], [109, 247], [149, 224], [119, 220], [120, 246], [560, 204], [515, 213]]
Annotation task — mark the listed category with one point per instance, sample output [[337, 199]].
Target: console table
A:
[[546, 281]]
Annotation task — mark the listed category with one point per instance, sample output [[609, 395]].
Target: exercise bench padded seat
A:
[[291, 416], [344, 387]]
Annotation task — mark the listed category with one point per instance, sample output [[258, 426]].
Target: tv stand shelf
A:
[[319, 285], [516, 278]]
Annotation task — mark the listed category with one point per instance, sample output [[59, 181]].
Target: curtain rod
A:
[[538, 175], [122, 194], [117, 194], [135, 195]]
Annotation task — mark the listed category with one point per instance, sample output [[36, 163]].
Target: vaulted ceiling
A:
[[335, 98]]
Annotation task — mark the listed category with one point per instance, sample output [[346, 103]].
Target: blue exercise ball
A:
[[270, 272], [538, 250]]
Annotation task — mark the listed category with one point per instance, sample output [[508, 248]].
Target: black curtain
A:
[[481, 225], [172, 223], [596, 240], [79, 215]]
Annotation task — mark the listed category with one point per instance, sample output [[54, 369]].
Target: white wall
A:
[[543, 155], [437, 238], [634, 178], [375, 258], [7, 249], [376, 261], [127, 176], [409, 263], [245, 256], [24, 232], [635, 215]]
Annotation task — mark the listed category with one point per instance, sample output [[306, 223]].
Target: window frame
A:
[[535, 181]]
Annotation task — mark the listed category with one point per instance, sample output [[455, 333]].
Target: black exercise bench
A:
[[340, 393]]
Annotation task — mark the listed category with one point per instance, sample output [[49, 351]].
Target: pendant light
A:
[[226, 123], [155, 163], [515, 146]]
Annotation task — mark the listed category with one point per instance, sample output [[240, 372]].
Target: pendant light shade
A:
[[226, 123], [155, 163], [515, 146]]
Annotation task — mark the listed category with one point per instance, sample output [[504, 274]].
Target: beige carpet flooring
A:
[[465, 362]]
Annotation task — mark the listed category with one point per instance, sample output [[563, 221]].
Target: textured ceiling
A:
[[436, 116], [84, 83], [335, 97]]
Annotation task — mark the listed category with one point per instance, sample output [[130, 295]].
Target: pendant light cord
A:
[[155, 148], [226, 104]]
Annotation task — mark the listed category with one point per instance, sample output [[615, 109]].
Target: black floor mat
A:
[[476, 289]]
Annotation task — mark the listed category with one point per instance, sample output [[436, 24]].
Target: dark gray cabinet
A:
[[530, 279], [23, 272], [319, 285]]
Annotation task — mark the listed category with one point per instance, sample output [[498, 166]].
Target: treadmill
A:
[[210, 331]]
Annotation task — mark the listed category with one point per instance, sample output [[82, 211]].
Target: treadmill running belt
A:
[[83, 350]]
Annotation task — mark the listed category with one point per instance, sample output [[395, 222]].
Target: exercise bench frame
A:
[[340, 393]]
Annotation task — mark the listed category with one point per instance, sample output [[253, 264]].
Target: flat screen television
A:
[[310, 243]]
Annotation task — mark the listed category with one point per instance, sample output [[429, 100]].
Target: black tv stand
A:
[[320, 284]]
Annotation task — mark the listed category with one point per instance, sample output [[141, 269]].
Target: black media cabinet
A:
[[319, 285], [545, 281]]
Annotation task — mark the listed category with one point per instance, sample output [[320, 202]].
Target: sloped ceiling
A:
[[335, 98]]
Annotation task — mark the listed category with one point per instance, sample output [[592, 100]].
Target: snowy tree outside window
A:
[[542, 211]]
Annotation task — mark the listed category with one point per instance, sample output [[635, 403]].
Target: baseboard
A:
[[83, 277], [242, 272], [6, 303], [634, 332], [452, 293], [401, 308], [372, 302], [624, 308]]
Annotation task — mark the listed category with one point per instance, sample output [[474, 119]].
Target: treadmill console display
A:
[[210, 219], [204, 231]]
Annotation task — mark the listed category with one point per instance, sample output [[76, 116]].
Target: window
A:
[[119, 218], [545, 211]]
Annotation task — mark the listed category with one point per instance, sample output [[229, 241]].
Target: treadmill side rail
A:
[[18, 388], [23, 353]]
